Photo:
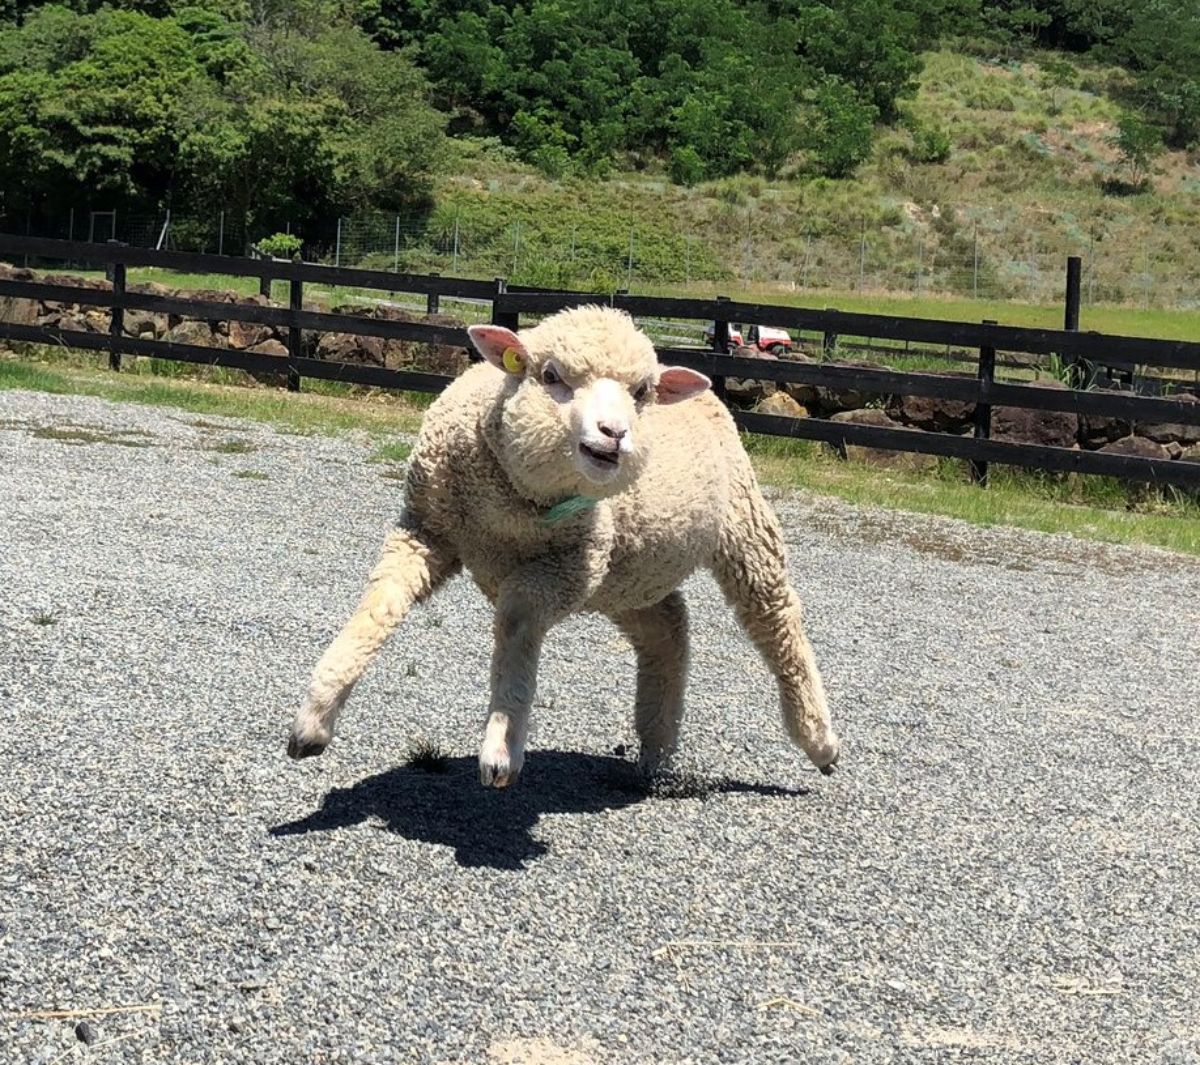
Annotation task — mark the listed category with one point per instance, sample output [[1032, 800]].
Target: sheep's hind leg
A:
[[659, 635], [751, 569], [409, 569]]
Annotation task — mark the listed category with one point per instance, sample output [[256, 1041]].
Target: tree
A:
[[1058, 74], [1139, 144], [840, 129]]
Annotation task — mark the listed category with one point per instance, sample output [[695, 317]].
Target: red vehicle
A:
[[763, 337]]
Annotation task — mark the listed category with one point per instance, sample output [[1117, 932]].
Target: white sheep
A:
[[571, 472]]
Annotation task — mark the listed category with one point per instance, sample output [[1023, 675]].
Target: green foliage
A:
[[1058, 74], [182, 104], [930, 145], [1139, 144], [840, 129], [281, 246]]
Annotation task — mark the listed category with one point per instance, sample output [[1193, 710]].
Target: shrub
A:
[[930, 145], [281, 246]]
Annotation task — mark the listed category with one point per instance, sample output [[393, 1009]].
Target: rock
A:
[[247, 334], [743, 392], [270, 346], [71, 320], [874, 456], [806, 395], [846, 397], [1048, 428], [345, 347], [152, 288], [143, 323], [1136, 447], [938, 415], [15, 273], [1190, 454], [85, 1033], [97, 321], [781, 405], [1174, 432], [867, 416], [190, 331], [1141, 448], [18, 311]]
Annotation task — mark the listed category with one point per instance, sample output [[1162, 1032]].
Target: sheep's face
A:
[[580, 384]]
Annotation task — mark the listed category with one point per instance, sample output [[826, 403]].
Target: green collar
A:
[[569, 506]]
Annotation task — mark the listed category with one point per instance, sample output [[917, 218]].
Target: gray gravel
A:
[[1004, 869]]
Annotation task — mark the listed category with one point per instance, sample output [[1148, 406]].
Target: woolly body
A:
[[500, 450]]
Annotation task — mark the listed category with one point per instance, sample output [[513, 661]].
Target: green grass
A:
[[1124, 321], [392, 452], [1089, 507], [1092, 508], [305, 412]]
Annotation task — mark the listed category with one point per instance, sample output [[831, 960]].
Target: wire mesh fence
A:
[[960, 251]]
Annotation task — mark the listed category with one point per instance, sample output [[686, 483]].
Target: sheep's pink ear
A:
[[501, 347], [677, 383]]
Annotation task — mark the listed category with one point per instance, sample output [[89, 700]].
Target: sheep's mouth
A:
[[603, 458]]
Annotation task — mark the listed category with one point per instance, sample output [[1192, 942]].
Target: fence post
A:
[[983, 407], [337, 250], [295, 336], [432, 301], [629, 263], [829, 340], [221, 234], [264, 285], [975, 267], [507, 319], [721, 347], [862, 257], [1071, 313], [1074, 277], [116, 321], [396, 246]]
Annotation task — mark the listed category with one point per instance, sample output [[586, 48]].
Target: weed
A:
[[427, 756], [393, 452], [75, 435], [235, 447], [251, 475], [43, 617]]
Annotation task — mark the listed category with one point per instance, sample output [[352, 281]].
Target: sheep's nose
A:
[[611, 433]]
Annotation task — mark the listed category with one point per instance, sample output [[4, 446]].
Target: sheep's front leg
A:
[[659, 635], [530, 603], [751, 569], [409, 569]]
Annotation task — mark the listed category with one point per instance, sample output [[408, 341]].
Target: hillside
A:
[[1025, 182], [908, 147]]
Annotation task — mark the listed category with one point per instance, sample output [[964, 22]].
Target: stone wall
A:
[[239, 336]]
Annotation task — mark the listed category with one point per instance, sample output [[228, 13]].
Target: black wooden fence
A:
[[510, 306]]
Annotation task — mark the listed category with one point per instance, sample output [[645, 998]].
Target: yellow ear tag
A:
[[513, 360]]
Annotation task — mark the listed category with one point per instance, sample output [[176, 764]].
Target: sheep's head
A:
[[579, 385]]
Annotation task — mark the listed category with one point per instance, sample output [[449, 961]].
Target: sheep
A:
[[570, 472]]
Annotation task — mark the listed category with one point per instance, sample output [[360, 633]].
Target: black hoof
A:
[[299, 750]]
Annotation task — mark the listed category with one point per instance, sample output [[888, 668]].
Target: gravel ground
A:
[[1004, 869]]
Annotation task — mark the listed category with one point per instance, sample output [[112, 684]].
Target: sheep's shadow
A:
[[494, 828]]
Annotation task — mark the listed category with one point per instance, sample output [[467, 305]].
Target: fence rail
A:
[[982, 390]]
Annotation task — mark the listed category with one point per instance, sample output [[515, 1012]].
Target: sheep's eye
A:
[[550, 376], [642, 392]]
